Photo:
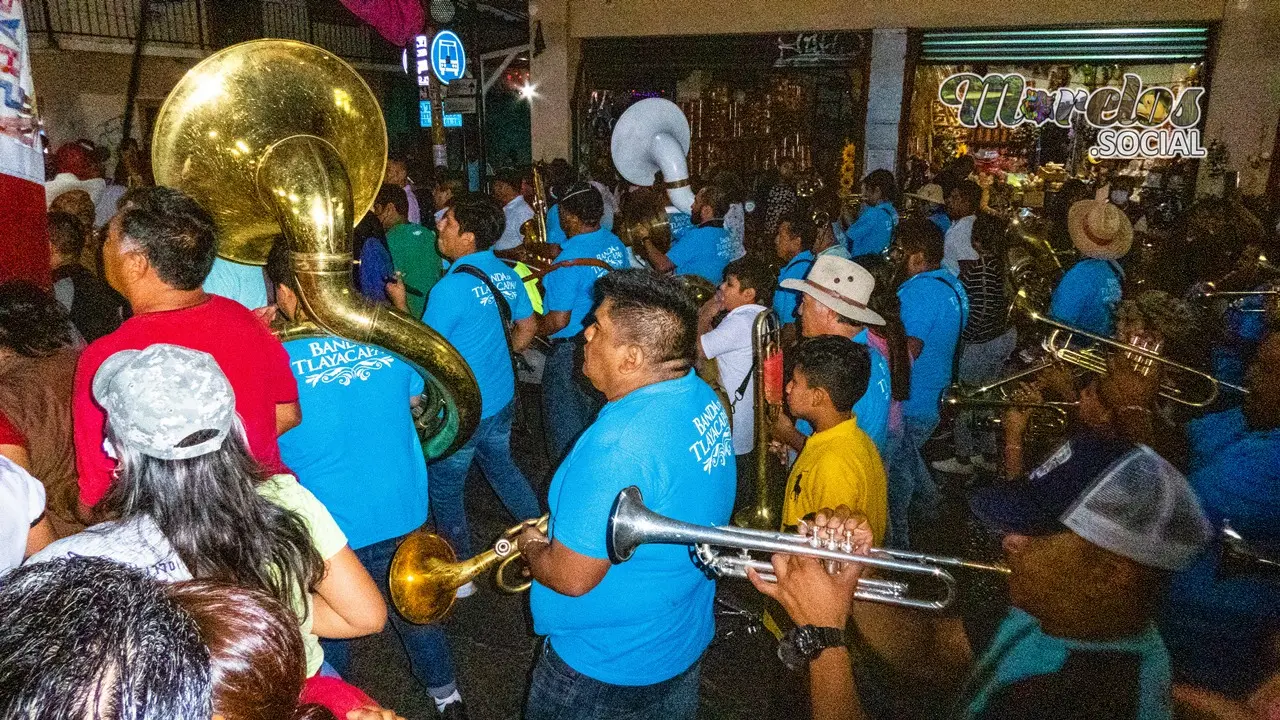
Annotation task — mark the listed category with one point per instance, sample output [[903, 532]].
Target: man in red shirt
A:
[[158, 251]]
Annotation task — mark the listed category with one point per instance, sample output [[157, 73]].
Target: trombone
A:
[[1267, 293], [767, 373], [631, 524], [1048, 417], [426, 574], [1181, 384]]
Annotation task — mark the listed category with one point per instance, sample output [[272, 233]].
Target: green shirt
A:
[[413, 252]]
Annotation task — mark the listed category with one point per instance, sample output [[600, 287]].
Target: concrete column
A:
[[553, 72], [1244, 99], [884, 99]]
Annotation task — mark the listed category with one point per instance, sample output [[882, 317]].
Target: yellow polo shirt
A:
[[839, 466]]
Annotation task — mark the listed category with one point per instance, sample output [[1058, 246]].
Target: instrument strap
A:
[[579, 262], [504, 309], [955, 354]]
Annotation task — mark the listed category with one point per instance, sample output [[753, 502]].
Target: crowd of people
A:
[[198, 518]]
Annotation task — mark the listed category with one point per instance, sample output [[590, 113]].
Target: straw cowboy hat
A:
[[842, 285], [931, 193], [1099, 229]]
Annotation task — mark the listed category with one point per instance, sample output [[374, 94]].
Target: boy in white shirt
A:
[[746, 291]]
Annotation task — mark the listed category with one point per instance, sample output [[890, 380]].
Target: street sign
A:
[[462, 87], [451, 119], [448, 59]]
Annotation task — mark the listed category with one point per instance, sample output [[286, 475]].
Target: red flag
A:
[[396, 20], [24, 246]]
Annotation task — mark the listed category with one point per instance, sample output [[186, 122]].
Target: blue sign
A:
[[448, 59], [451, 120]]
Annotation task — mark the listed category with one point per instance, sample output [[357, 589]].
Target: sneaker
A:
[[454, 710], [952, 466], [981, 462], [466, 590]]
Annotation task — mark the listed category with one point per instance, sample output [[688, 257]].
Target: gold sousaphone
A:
[[280, 137]]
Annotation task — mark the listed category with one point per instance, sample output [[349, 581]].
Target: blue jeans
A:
[[426, 645], [558, 692], [980, 363], [491, 446], [910, 484], [568, 407]]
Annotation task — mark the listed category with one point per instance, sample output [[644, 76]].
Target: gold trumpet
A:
[[280, 137], [767, 375], [1049, 418], [426, 574], [1182, 384]]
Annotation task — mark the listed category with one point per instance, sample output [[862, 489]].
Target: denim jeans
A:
[[980, 363], [558, 692], [491, 447], [568, 406], [911, 487], [426, 645]]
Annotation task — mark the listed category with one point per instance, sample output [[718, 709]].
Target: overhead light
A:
[[528, 91]]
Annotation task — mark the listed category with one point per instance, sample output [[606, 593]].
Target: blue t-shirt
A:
[[703, 250], [650, 618], [680, 223], [1087, 296], [569, 289], [462, 309], [787, 302], [1216, 627], [375, 268], [941, 219], [871, 232], [872, 409], [934, 309], [1029, 673], [356, 448], [243, 283], [555, 233]]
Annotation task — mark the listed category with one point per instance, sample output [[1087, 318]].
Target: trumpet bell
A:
[[228, 112], [423, 578]]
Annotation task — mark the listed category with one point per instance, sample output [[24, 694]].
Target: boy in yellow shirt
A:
[[839, 464]]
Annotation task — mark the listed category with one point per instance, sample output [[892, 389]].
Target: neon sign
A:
[[1132, 121]]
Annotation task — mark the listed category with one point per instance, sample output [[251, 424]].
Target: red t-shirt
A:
[[10, 435], [250, 356]]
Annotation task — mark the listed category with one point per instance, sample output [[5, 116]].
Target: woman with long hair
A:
[[190, 501]]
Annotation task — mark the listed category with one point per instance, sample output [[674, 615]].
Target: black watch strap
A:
[[802, 644]]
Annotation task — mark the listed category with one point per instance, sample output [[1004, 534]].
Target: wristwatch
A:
[[800, 645]]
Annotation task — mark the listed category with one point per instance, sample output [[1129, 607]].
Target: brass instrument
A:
[[1048, 418], [1237, 558], [278, 136], [426, 574], [767, 376], [538, 252], [631, 525], [1271, 301], [1181, 384]]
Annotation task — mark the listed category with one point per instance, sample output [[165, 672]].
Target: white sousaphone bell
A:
[[652, 136]]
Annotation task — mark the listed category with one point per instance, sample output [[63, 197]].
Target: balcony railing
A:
[[185, 24]]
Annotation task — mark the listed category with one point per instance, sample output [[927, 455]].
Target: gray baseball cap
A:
[[167, 401]]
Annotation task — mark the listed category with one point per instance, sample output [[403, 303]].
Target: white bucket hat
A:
[[1099, 229], [931, 193], [842, 285]]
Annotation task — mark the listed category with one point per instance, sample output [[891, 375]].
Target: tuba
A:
[[651, 137], [280, 137], [767, 376]]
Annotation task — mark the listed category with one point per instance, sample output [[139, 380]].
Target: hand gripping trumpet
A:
[[631, 525]]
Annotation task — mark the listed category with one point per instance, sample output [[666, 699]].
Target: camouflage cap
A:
[[167, 401]]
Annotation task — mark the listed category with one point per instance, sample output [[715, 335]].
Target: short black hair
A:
[[280, 265], [835, 364], [514, 177], [755, 275], [479, 215], [176, 235], [717, 197], [32, 323], [971, 192], [66, 233], [885, 182], [86, 637], [652, 311], [451, 181], [584, 202], [393, 195], [921, 235], [801, 223]]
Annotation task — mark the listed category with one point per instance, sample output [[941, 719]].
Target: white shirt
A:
[[518, 213], [136, 542], [610, 205], [735, 223], [959, 244], [21, 505], [415, 213], [729, 344]]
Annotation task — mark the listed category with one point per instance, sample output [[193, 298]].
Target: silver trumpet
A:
[[631, 525]]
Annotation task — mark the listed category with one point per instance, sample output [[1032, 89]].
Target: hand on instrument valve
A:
[[531, 536], [396, 292], [806, 590]]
